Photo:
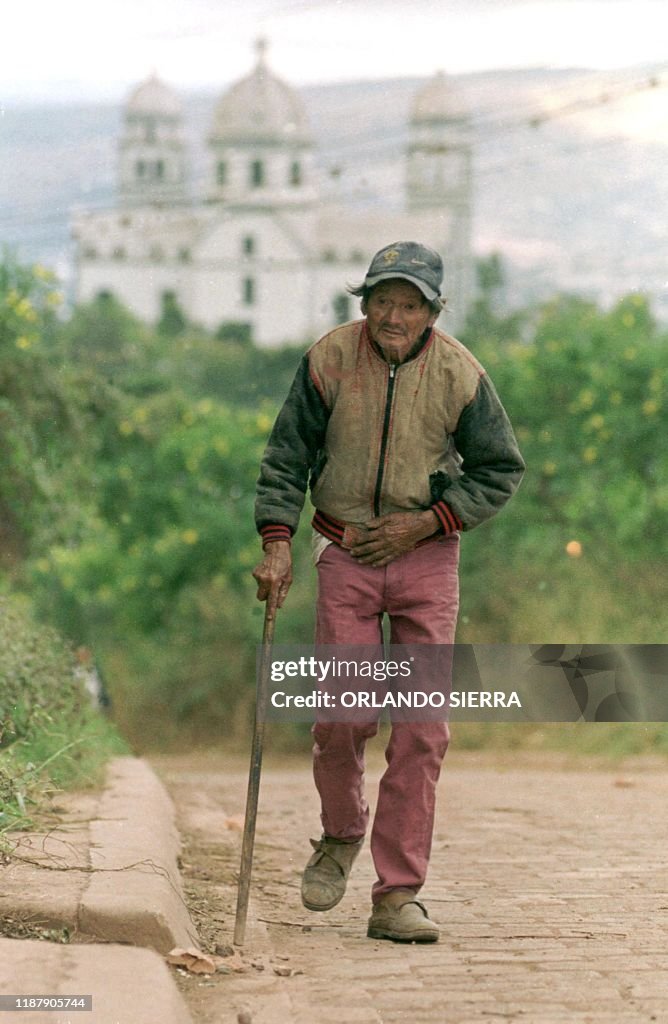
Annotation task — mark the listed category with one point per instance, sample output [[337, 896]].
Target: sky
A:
[[97, 49]]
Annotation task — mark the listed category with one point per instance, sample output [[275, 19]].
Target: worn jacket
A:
[[370, 438]]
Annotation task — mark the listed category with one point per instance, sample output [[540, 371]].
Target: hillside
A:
[[578, 202]]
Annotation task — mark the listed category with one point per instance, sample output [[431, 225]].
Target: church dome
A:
[[260, 107], [154, 97], [438, 100]]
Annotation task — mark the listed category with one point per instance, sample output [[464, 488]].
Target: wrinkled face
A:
[[397, 315]]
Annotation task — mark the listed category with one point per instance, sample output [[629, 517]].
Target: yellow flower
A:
[[190, 536], [589, 455], [43, 565], [596, 421], [549, 468], [126, 428], [628, 319], [222, 446], [23, 342], [650, 407], [140, 415], [586, 399], [25, 310], [616, 398], [263, 422], [630, 353], [188, 418], [205, 406], [42, 273], [54, 299]]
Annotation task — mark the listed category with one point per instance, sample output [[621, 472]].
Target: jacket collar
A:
[[418, 347]]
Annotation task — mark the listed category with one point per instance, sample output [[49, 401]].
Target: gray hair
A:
[[363, 292]]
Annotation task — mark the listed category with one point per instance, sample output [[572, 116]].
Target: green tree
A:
[[42, 418], [172, 320], [587, 397]]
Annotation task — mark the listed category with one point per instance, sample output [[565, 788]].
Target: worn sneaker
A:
[[402, 918], [326, 874]]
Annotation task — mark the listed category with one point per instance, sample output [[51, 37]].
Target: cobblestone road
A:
[[551, 887]]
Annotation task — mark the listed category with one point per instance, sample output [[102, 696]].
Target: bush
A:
[[50, 735], [36, 675]]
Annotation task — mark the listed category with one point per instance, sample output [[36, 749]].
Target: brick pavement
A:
[[551, 887]]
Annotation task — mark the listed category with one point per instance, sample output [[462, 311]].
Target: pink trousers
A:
[[419, 593]]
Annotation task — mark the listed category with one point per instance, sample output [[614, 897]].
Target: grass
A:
[[610, 740]]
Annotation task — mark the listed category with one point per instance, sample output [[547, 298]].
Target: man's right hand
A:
[[274, 573]]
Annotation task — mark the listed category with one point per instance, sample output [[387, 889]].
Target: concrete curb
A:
[[109, 871], [134, 892], [128, 986], [114, 881]]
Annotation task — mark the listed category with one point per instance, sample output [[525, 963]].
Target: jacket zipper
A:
[[384, 439]]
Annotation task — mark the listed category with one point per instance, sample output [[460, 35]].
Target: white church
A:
[[264, 246]]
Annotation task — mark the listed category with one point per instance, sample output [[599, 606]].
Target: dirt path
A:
[[551, 887]]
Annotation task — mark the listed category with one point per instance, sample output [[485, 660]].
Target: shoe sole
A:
[[418, 936], [319, 906]]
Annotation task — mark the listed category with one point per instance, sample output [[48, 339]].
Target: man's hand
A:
[[274, 574], [393, 535]]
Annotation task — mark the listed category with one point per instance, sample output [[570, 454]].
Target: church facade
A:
[[262, 246]]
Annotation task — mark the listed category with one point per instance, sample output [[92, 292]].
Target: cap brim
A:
[[428, 292]]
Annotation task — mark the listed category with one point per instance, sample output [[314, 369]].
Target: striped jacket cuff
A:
[[275, 531], [449, 521], [328, 526]]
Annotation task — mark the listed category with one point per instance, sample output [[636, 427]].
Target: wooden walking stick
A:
[[252, 795]]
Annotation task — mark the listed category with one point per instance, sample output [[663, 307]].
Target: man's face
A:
[[397, 315]]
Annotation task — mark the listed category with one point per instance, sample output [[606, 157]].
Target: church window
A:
[[248, 245], [257, 173], [221, 172], [329, 256], [119, 253], [357, 256], [295, 173], [90, 253], [157, 254], [185, 255], [140, 168], [249, 295], [159, 170], [341, 304], [104, 295]]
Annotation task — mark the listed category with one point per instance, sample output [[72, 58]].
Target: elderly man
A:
[[404, 443]]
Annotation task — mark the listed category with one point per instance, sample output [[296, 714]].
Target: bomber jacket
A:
[[370, 438]]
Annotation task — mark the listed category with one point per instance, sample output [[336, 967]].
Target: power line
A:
[[486, 130]]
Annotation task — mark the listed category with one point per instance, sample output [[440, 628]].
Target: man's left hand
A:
[[393, 535]]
